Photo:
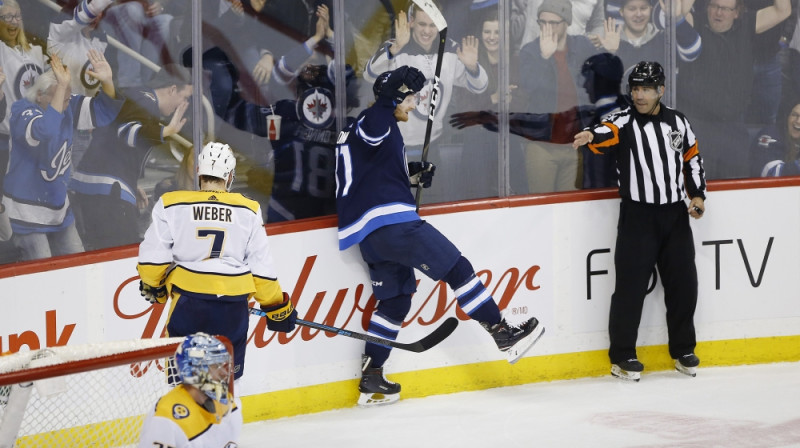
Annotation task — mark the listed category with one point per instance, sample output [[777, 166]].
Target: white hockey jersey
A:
[[177, 421], [21, 69], [454, 73], [66, 39], [209, 242]]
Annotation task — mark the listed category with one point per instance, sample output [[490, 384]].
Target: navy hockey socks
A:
[[386, 322]]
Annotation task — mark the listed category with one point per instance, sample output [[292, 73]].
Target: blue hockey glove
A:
[[153, 294], [281, 316], [421, 173]]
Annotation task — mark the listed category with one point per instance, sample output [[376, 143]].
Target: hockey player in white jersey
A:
[[376, 210], [209, 252], [415, 46], [201, 411]]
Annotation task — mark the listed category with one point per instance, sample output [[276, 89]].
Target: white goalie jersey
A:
[[209, 242]]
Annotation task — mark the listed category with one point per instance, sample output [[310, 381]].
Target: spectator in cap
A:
[[586, 17], [547, 64]]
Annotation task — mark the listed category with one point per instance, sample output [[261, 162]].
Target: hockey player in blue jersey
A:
[[376, 210], [42, 126]]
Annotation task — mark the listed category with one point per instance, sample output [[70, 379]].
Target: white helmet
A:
[[216, 160]]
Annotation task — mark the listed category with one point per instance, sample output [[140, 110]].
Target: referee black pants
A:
[[653, 235]]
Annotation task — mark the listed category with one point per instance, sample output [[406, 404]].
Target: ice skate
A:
[[515, 341], [630, 370], [687, 364], [374, 387]]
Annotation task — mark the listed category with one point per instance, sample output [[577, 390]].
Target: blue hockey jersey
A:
[[39, 167], [117, 153], [372, 185]]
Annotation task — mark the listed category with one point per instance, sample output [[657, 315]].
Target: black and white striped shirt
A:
[[657, 157]]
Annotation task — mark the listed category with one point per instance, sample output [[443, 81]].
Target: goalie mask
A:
[[217, 160], [204, 362]]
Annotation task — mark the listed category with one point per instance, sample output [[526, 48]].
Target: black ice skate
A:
[[374, 387], [687, 364], [628, 370], [515, 341]]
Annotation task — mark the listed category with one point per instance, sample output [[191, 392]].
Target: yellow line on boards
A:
[[486, 375]]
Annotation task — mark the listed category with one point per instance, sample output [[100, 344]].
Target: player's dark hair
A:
[[169, 75]]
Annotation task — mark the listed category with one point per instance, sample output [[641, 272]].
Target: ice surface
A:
[[742, 406]]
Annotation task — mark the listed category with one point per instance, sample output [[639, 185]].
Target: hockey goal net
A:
[[92, 395]]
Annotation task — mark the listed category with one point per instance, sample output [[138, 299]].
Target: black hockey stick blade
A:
[[438, 335]]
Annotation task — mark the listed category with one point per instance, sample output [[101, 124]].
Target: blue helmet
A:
[[204, 362]]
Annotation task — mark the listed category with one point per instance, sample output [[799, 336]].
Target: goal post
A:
[[89, 395]]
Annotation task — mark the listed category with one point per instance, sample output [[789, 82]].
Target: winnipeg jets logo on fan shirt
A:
[[26, 75], [89, 82], [315, 108], [424, 100]]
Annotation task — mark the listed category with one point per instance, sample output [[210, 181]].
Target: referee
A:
[[659, 167]]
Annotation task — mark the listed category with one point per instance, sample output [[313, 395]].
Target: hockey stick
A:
[[438, 19], [437, 336]]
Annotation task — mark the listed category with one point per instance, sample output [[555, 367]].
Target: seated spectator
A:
[[105, 183], [142, 26], [779, 145], [715, 89], [42, 125]]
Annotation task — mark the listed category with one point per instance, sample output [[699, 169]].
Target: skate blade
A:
[[689, 371], [518, 350], [377, 399], [624, 374]]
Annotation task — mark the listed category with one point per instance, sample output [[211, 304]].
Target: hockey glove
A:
[[281, 316], [421, 173], [153, 294]]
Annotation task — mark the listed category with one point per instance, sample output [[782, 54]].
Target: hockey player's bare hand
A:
[[101, 69], [582, 138], [402, 33], [2, 76]]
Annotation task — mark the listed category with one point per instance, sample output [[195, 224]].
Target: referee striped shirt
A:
[[657, 157]]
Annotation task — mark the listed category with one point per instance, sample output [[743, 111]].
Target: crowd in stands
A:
[[79, 172]]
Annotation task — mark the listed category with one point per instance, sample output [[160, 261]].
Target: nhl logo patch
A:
[[180, 411], [315, 108], [676, 140]]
